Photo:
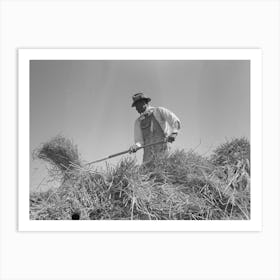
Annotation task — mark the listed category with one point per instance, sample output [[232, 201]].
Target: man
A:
[[155, 124]]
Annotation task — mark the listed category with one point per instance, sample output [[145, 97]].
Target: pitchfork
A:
[[127, 151]]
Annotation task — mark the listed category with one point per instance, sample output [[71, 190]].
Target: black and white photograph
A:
[[140, 139], [192, 124]]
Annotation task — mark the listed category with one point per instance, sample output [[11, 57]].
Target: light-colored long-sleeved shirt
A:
[[168, 121]]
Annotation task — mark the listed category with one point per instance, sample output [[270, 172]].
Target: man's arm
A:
[[173, 122]]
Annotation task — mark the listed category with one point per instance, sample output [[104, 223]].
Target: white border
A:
[[254, 55]]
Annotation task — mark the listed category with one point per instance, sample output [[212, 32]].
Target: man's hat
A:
[[139, 96]]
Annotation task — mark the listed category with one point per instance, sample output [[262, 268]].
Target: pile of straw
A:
[[60, 153], [183, 185], [231, 152]]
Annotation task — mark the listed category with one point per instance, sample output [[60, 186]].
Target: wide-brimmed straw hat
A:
[[139, 96]]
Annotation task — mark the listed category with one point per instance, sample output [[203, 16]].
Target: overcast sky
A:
[[90, 103]]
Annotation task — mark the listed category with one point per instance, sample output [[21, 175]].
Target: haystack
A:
[[182, 185]]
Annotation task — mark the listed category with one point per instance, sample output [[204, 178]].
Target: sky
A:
[[90, 101]]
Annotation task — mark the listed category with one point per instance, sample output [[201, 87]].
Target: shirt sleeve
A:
[[138, 137], [172, 120]]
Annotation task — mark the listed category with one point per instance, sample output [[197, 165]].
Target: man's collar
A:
[[147, 112], [149, 108]]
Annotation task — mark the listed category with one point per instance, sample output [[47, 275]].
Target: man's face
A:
[[141, 106]]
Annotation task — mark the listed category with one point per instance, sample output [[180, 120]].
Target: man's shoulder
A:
[[161, 110]]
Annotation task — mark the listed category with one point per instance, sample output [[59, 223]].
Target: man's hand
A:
[[134, 148], [171, 138]]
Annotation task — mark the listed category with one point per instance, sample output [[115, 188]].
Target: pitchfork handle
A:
[[118, 154], [127, 151], [152, 144]]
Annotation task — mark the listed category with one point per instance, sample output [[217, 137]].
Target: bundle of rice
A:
[[60, 153], [182, 185], [231, 152]]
